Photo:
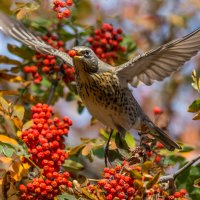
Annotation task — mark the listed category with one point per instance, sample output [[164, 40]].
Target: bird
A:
[[104, 89]]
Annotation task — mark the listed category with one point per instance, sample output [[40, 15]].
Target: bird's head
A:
[[85, 59]]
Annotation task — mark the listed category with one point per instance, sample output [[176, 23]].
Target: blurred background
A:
[[149, 24]]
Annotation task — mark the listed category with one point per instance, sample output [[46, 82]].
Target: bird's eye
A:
[[87, 53]]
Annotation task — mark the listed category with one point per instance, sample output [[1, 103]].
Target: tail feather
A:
[[165, 139], [161, 136]]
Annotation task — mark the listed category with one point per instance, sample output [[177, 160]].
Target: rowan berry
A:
[[157, 110], [105, 42]]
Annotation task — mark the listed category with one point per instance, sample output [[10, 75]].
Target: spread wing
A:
[[18, 31], [160, 62]]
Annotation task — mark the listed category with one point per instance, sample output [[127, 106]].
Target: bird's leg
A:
[[107, 148]]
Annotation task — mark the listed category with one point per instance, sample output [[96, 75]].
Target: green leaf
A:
[[66, 196], [65, 36], [19, 51], [147, 165], [1, 148], [9, 61], [8, 151], [174, 159], [71, 165], [70, 96], [197, 183], [153, 181], [195, 194], [80, 108], [129, 43], [99, 152], [103, 133], [195, 106], [186, 149], [136, 175], [130, 140]]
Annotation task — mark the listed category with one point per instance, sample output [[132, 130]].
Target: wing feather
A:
[[161, 62], [18, 31]]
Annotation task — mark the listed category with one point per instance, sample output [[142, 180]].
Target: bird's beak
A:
[[75, 53]]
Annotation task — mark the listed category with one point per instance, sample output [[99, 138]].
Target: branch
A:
[[52, 90], [174, 176]]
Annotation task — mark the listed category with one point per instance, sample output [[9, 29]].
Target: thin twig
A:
[[52, 90], [174, 176]]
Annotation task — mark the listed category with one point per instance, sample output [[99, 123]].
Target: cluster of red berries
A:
[[105, 42], [47, 64], [116, 184], [160, 194], [62, 8], [45, 142], [178, 195], [154, 154], [119, 183], [44, 188]]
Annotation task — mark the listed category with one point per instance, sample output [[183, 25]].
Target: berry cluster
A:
[[47, 64], [117, 184], [105, 42], [127, 182], [62, 8], [44, 188], [156, 192], [45, 142], [154, 154]]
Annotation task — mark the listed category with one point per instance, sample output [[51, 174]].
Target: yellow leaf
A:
[[9, 92], [19, 170], [18, 123], [18, 111], [27, 125], [4, 104], [6, 139], [11, 78], [197, 116], [19, 133], [86, 150], [177, 20]]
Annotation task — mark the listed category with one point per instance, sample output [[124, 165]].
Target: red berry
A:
[[22, 188], [177, 194], [160, 145], [183, 192], [157, 110], [72, 53]]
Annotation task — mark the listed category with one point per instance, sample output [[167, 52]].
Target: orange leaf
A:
[[6, 139], [86, 150]]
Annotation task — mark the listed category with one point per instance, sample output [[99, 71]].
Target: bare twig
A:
[[174, 176], [52, 90]]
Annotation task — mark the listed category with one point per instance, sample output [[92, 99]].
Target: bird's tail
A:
[[161, 136]]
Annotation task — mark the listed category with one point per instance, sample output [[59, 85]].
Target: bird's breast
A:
[[107, 101]]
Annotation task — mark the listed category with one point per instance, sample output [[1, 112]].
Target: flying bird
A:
[[104, 88]]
